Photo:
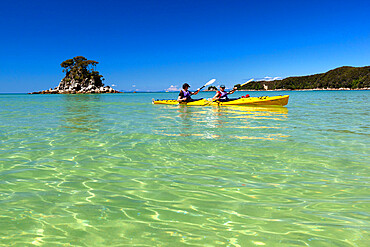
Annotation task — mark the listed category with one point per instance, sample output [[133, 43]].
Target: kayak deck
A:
[[265, 100]]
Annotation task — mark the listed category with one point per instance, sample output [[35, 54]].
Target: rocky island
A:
[[81, 78]]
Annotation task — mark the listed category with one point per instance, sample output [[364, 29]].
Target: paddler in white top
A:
[[221, 95], [185, 94]]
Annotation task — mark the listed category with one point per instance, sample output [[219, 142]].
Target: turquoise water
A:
[[115, 170]]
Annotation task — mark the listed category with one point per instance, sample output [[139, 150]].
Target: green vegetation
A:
[[82, 70], [342, 77], [212, 88]]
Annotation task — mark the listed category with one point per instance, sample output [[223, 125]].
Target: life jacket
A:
[[223, 95], [186, 94]]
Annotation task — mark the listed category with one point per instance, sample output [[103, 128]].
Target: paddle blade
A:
[[245, 83], [210, 82]]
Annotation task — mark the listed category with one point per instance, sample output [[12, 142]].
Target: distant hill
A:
[[342, 77]]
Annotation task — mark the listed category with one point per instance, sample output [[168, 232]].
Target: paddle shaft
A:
[[208, 83], [245, 83]]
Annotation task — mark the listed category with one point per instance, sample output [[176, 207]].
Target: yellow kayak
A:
[[264, 100]]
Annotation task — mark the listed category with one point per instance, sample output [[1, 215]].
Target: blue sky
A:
[[156, 44]]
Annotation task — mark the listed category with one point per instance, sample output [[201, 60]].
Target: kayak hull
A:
[[265, 100]]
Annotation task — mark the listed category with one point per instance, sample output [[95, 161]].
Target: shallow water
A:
[[115, 170]]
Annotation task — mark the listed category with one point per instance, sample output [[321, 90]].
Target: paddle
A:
[[208, 83], [245, 83]]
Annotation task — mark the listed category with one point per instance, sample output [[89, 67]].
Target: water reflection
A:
[[186, 115], [190, 116], [219, 115], [81, 113], [270, 110], [240, 122], [257, 122]]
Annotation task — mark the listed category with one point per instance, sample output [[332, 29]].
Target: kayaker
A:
[[185, 94], [221, 95]]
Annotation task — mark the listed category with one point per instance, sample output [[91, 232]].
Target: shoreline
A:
[[251, 90]]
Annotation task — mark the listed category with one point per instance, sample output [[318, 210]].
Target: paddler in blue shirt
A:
[[185, 94], [221, 95]]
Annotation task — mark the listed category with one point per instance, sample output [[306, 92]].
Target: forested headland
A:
[[345, 77]]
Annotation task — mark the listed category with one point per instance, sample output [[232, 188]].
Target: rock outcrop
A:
[[79, 79], [75, 87]]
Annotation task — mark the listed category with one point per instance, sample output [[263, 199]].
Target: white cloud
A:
[[114, 85], [134, 85], [269, 78], [172, 88]]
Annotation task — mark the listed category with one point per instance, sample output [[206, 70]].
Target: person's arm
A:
[[196, 92], [181, 97], [233, 90], [217, 96]]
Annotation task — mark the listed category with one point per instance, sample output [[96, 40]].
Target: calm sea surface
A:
[[115, 170]]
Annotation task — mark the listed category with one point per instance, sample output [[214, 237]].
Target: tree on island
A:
[[212, 88], [82, 72]]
